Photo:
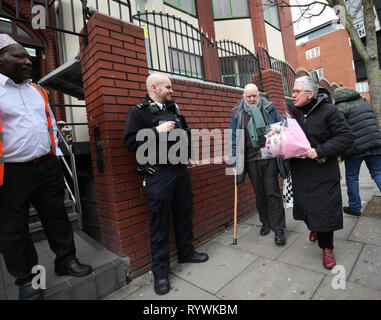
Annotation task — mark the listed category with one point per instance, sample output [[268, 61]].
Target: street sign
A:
[[355, 11]]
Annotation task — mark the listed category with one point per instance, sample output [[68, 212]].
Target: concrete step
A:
[[109, 273]]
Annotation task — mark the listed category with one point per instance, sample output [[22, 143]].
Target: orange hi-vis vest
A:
[[44, 95]]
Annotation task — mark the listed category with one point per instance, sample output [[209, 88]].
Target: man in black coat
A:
[[366, 147], [316, 179], [167, 180]]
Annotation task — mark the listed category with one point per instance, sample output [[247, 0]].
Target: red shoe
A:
[[328, 259], [313, 236]]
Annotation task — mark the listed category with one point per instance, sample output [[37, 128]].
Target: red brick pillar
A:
[[287, 30], [258, 23], [114, 68], [273, 86], [209, 52], [205, 17]]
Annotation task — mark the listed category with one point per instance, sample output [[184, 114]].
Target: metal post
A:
[[84, 14]]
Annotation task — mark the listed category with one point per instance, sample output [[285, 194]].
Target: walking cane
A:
[[235, 208]]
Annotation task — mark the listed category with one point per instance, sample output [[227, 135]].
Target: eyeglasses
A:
[[297, 92]]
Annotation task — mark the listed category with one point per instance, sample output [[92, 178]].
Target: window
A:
[[185, 63], [362, 87], [237, 70], [319, 72], [230, 9], [5, 25], [270, 11], [313, 53], [184, 5]]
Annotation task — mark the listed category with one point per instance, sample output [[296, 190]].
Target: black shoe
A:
[[196, 257], [265, 230], [280, 239], [73, 268], [161, 285], [26, 292], [352, 212]]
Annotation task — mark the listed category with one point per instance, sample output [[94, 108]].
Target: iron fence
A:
[[238, 65], [287, 72], [177, 47]]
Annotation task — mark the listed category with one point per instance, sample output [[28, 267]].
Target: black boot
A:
[[280, 239]]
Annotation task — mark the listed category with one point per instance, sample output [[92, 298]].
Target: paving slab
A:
[[226, 237], [367, 268], [221, 267], [291, 223], [253, 219], [136, 284], [367, 230], [267, 279], [352, 291], [180, 290], [252, 242], [306, 254]]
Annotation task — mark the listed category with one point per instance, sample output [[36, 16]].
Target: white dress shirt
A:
[[160, 105], [24, 122]]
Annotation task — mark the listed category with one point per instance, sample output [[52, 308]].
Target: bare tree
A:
[[368, 51]]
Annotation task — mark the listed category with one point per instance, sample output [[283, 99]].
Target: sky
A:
[[307, 24]]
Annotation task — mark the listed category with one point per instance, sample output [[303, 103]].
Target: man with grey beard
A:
[[253, 113]]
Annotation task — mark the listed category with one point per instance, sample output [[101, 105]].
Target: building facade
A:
[[250, 23], [186, 40], [327, 49]]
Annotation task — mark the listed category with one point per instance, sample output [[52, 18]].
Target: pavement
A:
[[257, 269]]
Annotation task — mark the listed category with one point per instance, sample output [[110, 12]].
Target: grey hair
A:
[[309, 84]]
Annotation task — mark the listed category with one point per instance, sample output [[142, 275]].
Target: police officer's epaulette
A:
[[150, 105], [143, 105]]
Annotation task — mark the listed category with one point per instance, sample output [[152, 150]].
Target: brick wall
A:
[[114, 72], [273, 86]]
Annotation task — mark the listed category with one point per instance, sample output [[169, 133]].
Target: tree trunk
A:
[[374, 80]]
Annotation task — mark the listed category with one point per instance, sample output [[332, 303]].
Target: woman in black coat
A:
[[316, 179]]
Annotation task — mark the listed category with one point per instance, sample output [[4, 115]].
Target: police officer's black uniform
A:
[[168, 186]]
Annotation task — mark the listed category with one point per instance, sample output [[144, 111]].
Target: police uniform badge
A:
[[153, 108]]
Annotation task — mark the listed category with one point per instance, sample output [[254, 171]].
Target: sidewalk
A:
[[257, 269]]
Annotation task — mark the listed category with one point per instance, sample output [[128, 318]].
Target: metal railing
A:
[[67, 16], [177, 47], [238, 65], [71, 169], [287, 72]]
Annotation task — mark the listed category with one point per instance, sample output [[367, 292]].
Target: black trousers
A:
[[169, 190], [264, 178], [42, 186], [325, 240]]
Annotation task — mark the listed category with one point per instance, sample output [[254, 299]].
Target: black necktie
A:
[[164, 108]]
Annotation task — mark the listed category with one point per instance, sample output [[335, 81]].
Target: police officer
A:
[[168, 184]]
